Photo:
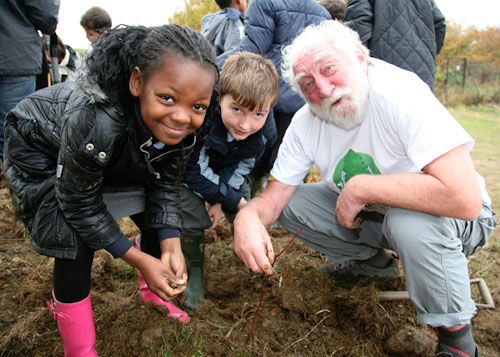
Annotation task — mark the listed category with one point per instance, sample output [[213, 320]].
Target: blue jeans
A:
[[12, 90]]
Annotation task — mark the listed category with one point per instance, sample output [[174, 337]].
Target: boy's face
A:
[[239, 120], [92, 35]]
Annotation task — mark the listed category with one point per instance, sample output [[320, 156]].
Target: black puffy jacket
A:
[[62, 148], [407, 33]]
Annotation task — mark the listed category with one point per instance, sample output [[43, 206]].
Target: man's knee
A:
[[412, 230]]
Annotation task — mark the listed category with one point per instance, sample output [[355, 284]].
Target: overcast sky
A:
[[480, 13]]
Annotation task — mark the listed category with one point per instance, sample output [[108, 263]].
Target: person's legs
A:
[[130, 202], [196, 220], [12, 90], [433, 251], [71, 305], [315, 203]]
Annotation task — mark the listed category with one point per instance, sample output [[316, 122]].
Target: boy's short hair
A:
[[223, 3], [336, 8], [251, 79], [96, 19]]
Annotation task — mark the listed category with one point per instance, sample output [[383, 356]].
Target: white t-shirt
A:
[[405, 129]]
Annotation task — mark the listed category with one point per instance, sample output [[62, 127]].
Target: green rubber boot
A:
[[193, 247]]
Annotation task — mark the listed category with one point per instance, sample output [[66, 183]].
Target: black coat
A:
[[20, 44], [407, 33], [62, 148]]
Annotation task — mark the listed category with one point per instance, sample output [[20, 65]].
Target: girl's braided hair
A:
[[116, 53]]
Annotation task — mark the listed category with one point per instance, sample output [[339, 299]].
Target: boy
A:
[[95, 21], [336, 8], [224, 29], [230, 142]]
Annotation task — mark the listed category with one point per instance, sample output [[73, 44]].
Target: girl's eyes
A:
[[167, 98], [199, 107], [236, 109]]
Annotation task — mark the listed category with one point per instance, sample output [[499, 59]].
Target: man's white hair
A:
[[340, 37]]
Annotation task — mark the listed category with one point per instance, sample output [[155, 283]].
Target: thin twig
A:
[[215, 325], [307, 334], [265, 287]]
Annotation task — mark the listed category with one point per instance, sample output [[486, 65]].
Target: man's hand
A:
[[252, 243], [215, 214], [349, 205]]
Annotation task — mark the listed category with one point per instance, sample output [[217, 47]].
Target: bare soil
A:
[[302, 312]]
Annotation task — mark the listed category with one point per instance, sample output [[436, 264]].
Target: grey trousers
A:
[[124, 202], [433, 250]]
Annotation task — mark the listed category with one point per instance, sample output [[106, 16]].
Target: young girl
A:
[[115, 143]]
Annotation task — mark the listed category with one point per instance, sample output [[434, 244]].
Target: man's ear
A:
[[135, 82], [362, 55]]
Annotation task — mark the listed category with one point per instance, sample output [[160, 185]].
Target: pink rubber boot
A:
[[76, 326], [148, 295]]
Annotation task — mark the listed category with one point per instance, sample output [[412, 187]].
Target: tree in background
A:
[[193, 12], [471, 43]]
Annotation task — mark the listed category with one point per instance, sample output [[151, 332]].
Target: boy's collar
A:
[[232, 14]]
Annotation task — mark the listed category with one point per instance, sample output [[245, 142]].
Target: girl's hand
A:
[[215, 213], [161, 278], [173, 259]]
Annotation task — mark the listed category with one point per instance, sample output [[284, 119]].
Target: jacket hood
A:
[[85, 83], [212, 22]]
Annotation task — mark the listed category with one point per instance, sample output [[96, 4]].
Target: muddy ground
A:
[[302, 313]]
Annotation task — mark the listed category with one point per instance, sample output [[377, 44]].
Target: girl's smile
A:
[[174, 98]]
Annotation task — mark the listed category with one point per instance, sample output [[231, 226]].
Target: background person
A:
[[225, 28], [366, 127], [112, 144], [67, 61], [406, 33], [95, 21], [21, 49], [336, 8]]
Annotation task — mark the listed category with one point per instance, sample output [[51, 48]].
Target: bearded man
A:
[[384, 143]]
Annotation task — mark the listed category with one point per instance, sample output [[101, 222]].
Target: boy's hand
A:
[[215, 214]]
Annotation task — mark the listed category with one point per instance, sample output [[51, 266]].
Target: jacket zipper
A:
[[148, 161]]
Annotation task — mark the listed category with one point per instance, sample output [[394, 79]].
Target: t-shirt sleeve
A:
[[428, 130]]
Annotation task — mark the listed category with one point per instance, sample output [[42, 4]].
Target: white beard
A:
[[352, 111]]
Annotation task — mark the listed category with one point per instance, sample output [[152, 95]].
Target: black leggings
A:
[[71, 278]]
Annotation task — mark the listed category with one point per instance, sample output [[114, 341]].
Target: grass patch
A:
[[483, 124]]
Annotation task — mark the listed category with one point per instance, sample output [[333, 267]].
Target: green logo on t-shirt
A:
[[352, 164]]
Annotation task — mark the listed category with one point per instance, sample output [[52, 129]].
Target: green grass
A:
[[483, 124], [183, 338]]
